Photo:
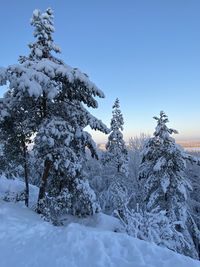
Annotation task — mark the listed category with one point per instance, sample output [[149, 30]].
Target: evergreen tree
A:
[[115, 160], [117, 154], [164, 184], [55, 94], [193, 171]]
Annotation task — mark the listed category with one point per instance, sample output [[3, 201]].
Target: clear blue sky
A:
[[145, 52]]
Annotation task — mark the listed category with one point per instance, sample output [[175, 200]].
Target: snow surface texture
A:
[[26, 240]]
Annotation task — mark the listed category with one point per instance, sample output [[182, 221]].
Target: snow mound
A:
[[99, 220], [28, 241], [15, 186]]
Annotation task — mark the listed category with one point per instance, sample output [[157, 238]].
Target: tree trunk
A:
[[118, 168], [47, 165], [26, 175], [27, 184]]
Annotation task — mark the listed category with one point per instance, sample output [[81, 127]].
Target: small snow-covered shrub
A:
[[54, 207], [84, 199], [10, 196], [156, 227], [115, 196]]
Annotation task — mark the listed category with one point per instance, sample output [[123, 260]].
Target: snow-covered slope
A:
[[27, 241]]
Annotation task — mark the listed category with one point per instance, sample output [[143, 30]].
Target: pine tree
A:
[[115, 160], [117, 154], [193, 171], [164, 184], [56, 93]]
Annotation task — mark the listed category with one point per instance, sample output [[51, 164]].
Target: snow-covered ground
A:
[[27, 241], [14, 187]]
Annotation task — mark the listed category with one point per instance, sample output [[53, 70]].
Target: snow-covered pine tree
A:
[[73, 89], [57, 92], [193, 171], [115, 160], [164, 184], [117, 154]]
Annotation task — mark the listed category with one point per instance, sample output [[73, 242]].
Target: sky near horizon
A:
[[146, 53]]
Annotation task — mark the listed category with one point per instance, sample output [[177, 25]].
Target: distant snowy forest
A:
[[151, 185]]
